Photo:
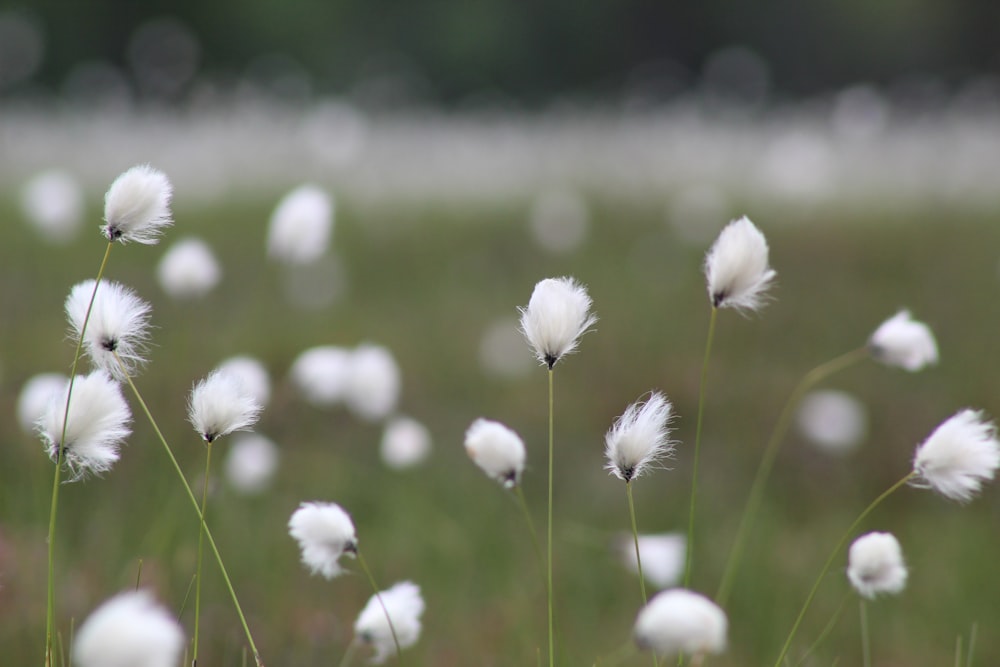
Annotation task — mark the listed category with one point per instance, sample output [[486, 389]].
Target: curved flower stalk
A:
[[679, 621], [324, 532], [129, 630]]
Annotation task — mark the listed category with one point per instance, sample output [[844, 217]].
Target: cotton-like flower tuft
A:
[[52, 201], [875, 565], [129, 630], [188, 269], [220, 404], [405, 443], [404, 606], [639, 438], [300, 226], [834, 421], [324, 532], [321, 374], [904, 342], [98, 424], [737, 267], [137, 206], [961, 454], [251, 463], [497, 450], [373, 382], [252, 374], [35, 396], [681, 621], [557, 314], [663, 557], [118, 328]]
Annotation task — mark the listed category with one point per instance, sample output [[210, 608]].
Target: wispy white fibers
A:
[[835, 421], [119, 324], [662, 557], [321, 374], [904, 342], [220, 404], [639, 438], [875, 565], [188, 269], [405, 443], [137, 206], [300, 227], [373, 382], [497, 450], [681, 621], [557, 314], [52, 201], [324, 532], [251, 463], [252, 374], [737, 267], [129, 630], [961, 454], [35, 396], [404, 606]]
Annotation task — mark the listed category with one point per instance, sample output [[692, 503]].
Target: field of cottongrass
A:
[[439, 286]]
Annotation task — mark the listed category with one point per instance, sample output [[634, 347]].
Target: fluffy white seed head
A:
[[497, 450], [220, 404], [52, 201], [405, 443], [137, 206], [404, 606], [35, 396], [663, 557], [188, 269], [129, 630], [959, 456], [118, 325], [875, 565], [557, 314], [251, 463], [681, 621], [253, 374], [373, 382], [737, 267], [301, 225], [324, 532], [834, 421], [904, 342], [639, 438], [321, 374]]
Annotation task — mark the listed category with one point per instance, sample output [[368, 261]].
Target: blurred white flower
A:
[[254, 376], [324, 532], [834, 421], [52, 201], [220, 404], [501, 350], [497, 450], [35, 396], [904, 342], [188, 269], [300, 227], [557, 314], [405, 442], [321, 374], [558, 221], [639, 438], [875, 565], [662, 556], [118, 325], [137, 206], [129, 630], [404, 605], [372, 382], [961, 454], [251, 463], [681, 621], [737, 267]]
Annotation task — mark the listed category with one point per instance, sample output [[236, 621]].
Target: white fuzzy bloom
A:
[[300, 226], [405, 443], [404, 606], [129, 630], [137, 206], [188, 269], [904, 342], [961, 454], [373, 382], [251, 463], [254, 376], [119, 324], [324, 532], [639, 438], [496, 449], [321, 374], [736, 267], [557, 314], [875, 565], [681, 621], [98, 424], [52, 201], [663, 557], [35, 396], [834, 421], [220, 404]]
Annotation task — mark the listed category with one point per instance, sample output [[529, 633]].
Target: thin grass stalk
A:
[[958, 651], [972, 644], [138, 575], [378, 596], [548, 583], [523, 504], [827, 629], [201, 550], [638, 558], [866, 647]]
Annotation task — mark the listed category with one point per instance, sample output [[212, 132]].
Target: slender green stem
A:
[[638, 558], [958, 651], [752, 505], [833, 555], [548, 586], [378, 596], [972, 644], [828, 628], [866, 647], [138, 575], [201, 542], [352, 648], [523, 504]]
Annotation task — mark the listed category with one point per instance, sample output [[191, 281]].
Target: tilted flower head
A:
[[663, 556], [188, 269], [639, 438], [118, 325], [98, 423], [373, 382], [35, 396], [324, 532], [300, 226], [558, 313], [137, 206], [736, 267], [904, 342], [129, 630], [496, 449], [404, 606], [220, 404], [875, 565], [961, 454], [321, 374], [681, 621]]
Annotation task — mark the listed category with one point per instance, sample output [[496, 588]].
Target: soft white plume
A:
[[324, 532], [321, 374], [251, 463], [52, 201], [639, 438], [681, 621], [737, 267], [663, 556], [252, 374], [373, 382], [137, 206], [188, 269], [404, 605], [35, 396], [497, 450], [959, 456], [835, 421], [875, 565], [118, 325], [904, 342], [129, 630], [220, 404], [405, 443], [557, 314], [300, 226]]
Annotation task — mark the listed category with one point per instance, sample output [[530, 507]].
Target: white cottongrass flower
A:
[[405, 443], [639, 438], [736, 267], [834, 421], [137, 206], [251, 463], [254, 376], [324, 532], [497, 450], [663, 557], [129, 630], [118, 328], [97, 425], [373, 382], [961, 454], [220, 404], [681, 621], [188, 269], [557, 314], [300, 226], [321, 374], [35, 396], [404, 605], [904, 342], [52, 201], [875, 565]]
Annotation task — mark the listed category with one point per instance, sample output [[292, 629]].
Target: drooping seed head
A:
[[324, 532], [497, 450], [404, 605], [959, 456], [904, 342]]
